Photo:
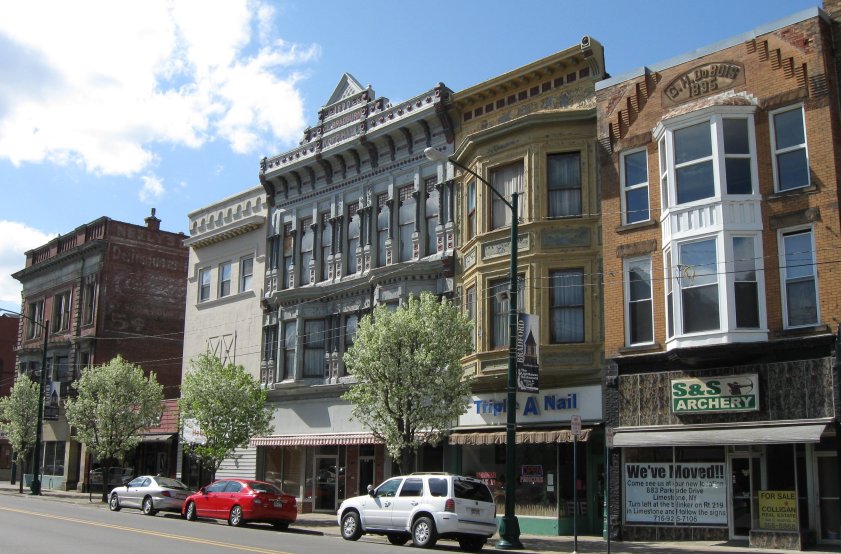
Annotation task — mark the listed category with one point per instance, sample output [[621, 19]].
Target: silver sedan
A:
[[150, 494]]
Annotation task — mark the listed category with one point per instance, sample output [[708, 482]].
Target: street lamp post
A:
[[509, 527], [35, 486]]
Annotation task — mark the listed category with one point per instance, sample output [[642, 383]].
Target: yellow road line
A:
[[145, 532]]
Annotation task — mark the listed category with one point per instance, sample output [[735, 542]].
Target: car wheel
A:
[[424, 534], [235, 517], [281, 525], [398, 539], [114, 503], [190, 514], [472, 544], [148, 506], [351, 527]]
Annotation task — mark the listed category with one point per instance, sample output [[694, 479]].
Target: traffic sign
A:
[[575, 423]]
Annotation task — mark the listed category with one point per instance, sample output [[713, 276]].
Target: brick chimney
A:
[[153, 222]]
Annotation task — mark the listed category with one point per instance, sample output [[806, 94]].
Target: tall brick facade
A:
[[720, 191], [107, 288]]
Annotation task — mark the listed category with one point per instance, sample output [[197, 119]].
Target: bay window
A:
[[707, 155], [564, 184], [499, 301], [471, 210], [506, 180], [698, 279], [745, 284], [290, 343]]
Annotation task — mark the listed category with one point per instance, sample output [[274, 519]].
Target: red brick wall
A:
[[8, 340]]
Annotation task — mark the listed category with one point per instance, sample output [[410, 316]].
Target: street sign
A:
[[575, 424]]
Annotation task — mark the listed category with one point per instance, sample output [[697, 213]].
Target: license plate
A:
[[475, 511], [278, 503]]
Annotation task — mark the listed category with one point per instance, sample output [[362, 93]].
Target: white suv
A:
[[423, 507]]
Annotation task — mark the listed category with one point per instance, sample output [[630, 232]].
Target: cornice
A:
[[229, 231]]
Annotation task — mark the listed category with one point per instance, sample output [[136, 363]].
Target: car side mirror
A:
[[203, 490], [371, 491]]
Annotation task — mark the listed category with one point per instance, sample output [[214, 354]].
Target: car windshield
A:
[[265, 487], [472, 490], [170, 483]]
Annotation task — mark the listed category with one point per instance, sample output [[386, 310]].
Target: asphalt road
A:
[[34, 526]]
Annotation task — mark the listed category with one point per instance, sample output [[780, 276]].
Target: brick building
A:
[[8, 339], [106, 288], [719, 175]]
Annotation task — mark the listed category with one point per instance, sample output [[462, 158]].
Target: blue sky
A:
[[111, 108]]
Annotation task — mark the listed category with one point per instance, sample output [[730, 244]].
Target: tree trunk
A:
[[406, 465]]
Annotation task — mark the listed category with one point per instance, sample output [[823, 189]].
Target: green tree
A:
[[409, 385], [226, 404], [18, 413], [114, 402]]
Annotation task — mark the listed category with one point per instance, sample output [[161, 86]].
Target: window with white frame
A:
[[788, 141], [204, 284], [224, 279], [567, 306], [698, 278], [563, 176], [506, 180], [799, 275], [707, 155], [670, 306], [639, 316], [634, 177], [745, 282], [246, 273]]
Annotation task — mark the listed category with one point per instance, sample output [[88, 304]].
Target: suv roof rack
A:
[[430, 473]]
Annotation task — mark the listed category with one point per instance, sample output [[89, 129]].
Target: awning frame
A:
[[729, 434]]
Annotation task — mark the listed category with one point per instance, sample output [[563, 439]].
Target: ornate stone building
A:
[[358, 216], [533, 131]]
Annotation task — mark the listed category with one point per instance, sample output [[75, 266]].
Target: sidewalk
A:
[[325, 524]]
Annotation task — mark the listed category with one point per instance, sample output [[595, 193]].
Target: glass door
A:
[[745, 483], [325, 483], [829, 497]]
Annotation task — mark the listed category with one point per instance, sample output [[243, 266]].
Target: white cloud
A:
[[152, 189], [101, 84], [15, 240]]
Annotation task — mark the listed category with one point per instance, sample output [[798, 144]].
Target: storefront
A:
[[745, 453], [547, 453]]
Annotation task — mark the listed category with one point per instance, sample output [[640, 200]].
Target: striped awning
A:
[[325, 439], [548, 436]]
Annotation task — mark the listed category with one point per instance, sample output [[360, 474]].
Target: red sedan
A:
[[240, 501]]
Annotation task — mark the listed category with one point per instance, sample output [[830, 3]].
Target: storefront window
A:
[[544, 477]]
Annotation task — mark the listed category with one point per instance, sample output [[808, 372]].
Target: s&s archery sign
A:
[[730, 393]]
